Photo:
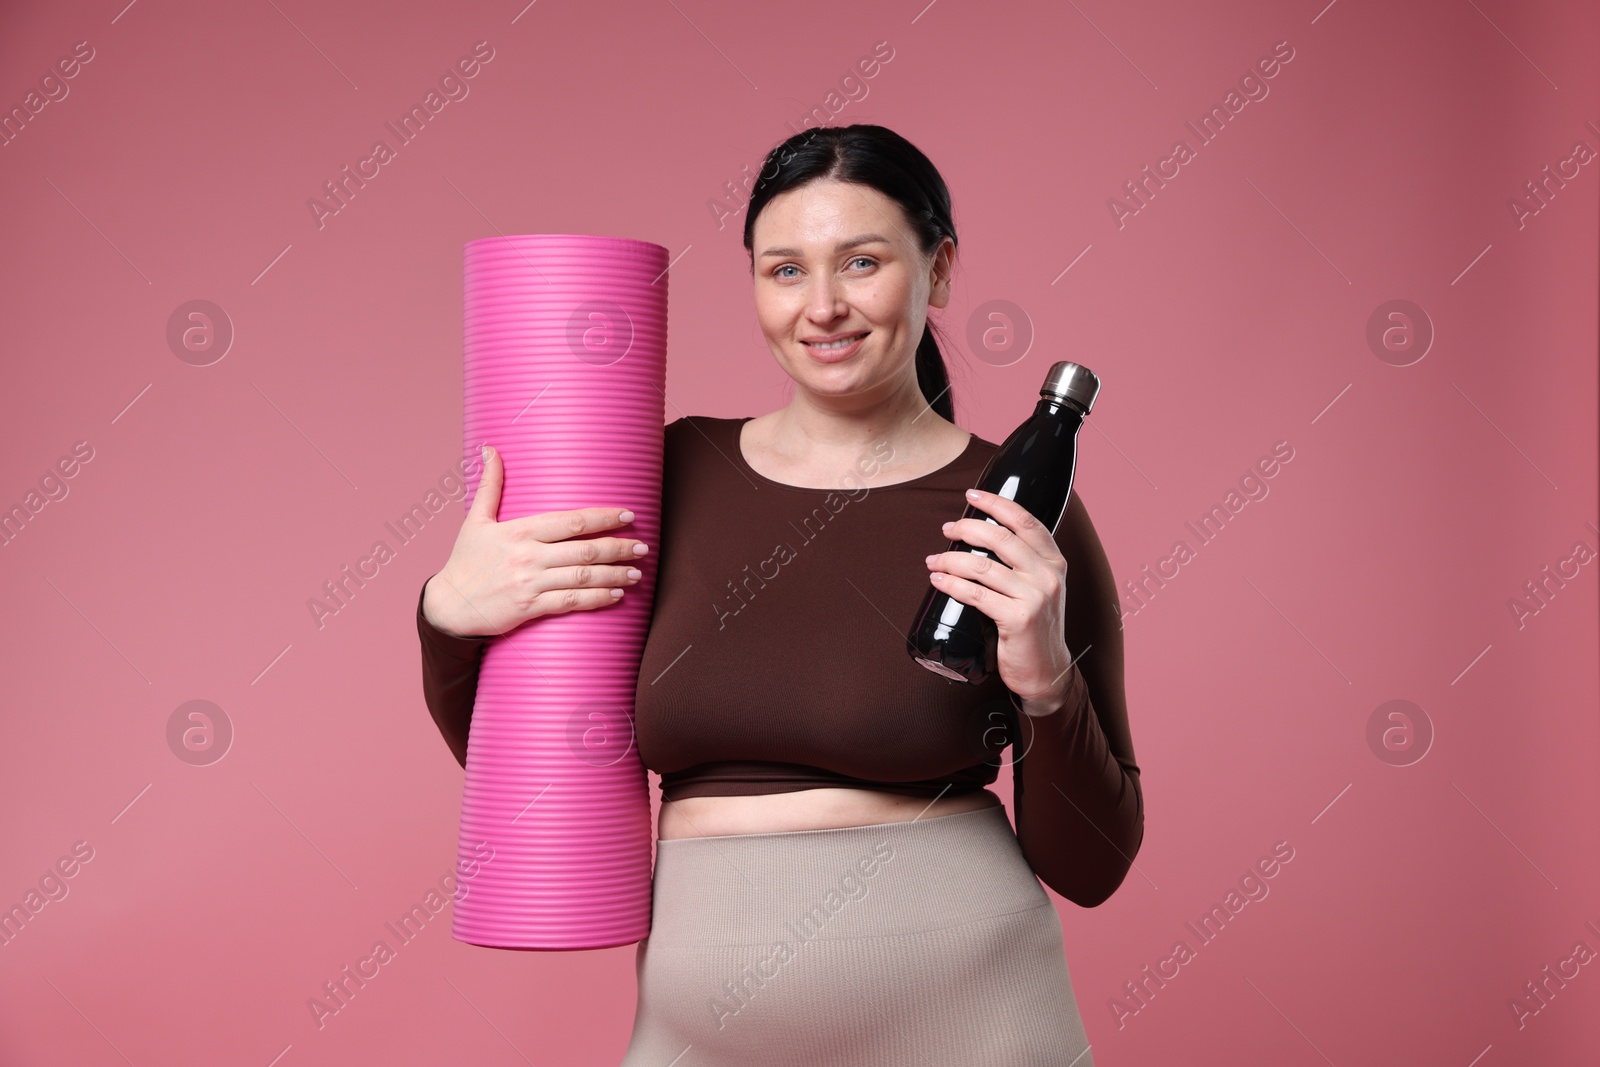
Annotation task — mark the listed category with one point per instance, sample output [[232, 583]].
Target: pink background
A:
[[1228, 314]]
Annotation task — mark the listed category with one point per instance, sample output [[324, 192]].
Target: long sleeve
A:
[[449, 679], [1077, 793]]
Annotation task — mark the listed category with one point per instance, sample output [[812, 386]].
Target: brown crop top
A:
[[775, 659]]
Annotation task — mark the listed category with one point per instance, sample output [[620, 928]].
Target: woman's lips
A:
[[834, 355]]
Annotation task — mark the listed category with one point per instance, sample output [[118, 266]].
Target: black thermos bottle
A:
[[1034, 467]]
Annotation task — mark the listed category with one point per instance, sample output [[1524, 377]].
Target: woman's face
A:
[[835, 259]]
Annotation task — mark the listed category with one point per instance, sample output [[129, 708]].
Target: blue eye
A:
[[777, 272]]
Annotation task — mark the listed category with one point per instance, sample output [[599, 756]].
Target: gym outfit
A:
[[776, 661]]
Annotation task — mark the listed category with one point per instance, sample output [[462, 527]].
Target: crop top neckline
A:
[[737, 428]]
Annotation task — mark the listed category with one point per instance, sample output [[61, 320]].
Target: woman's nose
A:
[[824, 302]]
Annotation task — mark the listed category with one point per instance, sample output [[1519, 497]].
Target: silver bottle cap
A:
[[1072, 381]]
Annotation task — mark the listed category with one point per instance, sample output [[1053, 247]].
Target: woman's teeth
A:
[[835, 344]]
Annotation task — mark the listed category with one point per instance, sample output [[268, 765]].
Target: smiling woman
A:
[[840, 281], [800, 740]]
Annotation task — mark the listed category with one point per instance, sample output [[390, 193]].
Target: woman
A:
[[833, 883]]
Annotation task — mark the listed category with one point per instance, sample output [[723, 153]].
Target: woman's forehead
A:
[[824, 215]]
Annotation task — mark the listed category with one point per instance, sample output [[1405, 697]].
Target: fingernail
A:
[[634, 572], [973, 494], [640, 549], [626, 516], [930, 559], [486, 453], [947, 526]]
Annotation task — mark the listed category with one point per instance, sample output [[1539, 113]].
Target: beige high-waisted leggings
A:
[[927, 941]]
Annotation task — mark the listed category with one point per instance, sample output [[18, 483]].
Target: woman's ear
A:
[[942, 273]]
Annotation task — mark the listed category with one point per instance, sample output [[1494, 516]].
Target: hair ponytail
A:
[[932, 376]]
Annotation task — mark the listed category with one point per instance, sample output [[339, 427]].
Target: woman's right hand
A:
[[501, 574]]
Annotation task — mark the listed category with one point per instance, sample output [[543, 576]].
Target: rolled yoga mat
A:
[[565, 369]]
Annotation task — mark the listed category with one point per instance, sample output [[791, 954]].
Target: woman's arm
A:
[[1079, 804], [500, 562], [449, 679]]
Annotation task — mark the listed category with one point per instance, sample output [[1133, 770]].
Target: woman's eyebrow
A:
[[842, 246]]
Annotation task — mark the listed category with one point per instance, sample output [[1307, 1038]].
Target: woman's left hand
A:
[[1023, 589]]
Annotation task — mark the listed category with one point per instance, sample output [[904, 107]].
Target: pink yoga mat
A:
[[565, 370]]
